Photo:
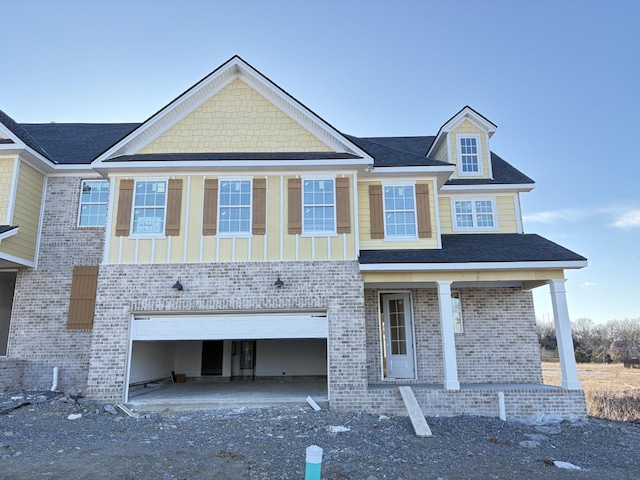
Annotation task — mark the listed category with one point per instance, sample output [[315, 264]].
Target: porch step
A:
[[415, 413]]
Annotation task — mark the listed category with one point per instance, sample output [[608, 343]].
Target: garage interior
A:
[[199, 368]]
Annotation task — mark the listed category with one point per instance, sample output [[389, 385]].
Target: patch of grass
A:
[[611, 391]]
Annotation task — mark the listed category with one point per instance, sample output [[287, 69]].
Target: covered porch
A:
[[458, 331]]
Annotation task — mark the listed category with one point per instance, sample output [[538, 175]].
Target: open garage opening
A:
[[226, 371]]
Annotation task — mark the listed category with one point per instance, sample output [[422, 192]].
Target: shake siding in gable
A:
[[236, 119]]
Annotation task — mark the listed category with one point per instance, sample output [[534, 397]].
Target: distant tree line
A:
[[615, 340]]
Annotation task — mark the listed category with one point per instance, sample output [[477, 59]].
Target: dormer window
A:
[[469, 155]]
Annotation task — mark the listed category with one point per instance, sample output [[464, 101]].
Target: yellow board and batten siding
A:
[[236, 119], [506, 214], [7, 166], [192, 247], [26, 214], [364, 216]]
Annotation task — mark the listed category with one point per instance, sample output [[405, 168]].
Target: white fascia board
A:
[[216, 172], [8, 234], [17, 260], [231, 164], [73, 169], [425, 169], [432, 267], [514, 187]]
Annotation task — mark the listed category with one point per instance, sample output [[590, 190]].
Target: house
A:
[[236, 235]]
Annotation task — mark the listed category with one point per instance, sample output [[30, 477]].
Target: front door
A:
[[398, 333]]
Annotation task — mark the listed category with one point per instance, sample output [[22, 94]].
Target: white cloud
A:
[[588, 284], [630, 219], [553, 216]]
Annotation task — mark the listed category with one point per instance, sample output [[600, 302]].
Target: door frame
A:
[[381, 334]]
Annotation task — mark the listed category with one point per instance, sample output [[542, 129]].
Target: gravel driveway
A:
[[39, 441]]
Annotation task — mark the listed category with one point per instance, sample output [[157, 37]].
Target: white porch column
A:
[[448, 339], [563, 335]]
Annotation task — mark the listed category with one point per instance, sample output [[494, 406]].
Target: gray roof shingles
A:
[[478, 248], [19, 131], [81, 143], [173, 157], [78, 143], [6, 228]]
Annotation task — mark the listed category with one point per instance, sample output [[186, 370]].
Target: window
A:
[[234, 214], [469, 155], [399, 211], [474, 213], [93, 203], [457, 312], [149, 207], [318, 207]]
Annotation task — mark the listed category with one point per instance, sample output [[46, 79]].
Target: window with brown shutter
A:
[[83, 298], [295, 206], [259, 214], [423, 211], [375, 211], [210, 207], [174, 208], [125, 199], [342, 205]]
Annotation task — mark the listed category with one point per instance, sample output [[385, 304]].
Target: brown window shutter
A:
[[295, 206], [174, 208], [423, 211], [125, 204], [375, 211], [259, 214], [83, 298], [210, 210], [343, 216]]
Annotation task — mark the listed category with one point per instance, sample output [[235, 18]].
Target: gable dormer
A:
[[464, 141]]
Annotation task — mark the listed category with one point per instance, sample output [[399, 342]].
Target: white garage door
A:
[[221, 327]]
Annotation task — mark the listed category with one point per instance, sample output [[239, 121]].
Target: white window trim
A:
[[80, 203], [461, 330], [478, 139], [326, 233], [133, 209], [473, 199], [247, 234], [400, 238]]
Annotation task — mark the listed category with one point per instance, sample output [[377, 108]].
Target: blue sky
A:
[[559, 78]]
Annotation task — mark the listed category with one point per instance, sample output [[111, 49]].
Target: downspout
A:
[[54, 387]]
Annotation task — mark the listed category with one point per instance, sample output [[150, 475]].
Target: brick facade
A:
[[38, 333], [498, 344], [335, 287]]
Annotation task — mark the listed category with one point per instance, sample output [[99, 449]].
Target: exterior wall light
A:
[[279, 283], [178, 286]]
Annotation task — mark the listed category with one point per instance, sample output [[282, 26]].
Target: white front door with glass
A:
[[398, 336]]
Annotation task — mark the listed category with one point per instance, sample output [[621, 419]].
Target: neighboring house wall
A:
[[236, 119], [26, 214], [7, 166], [498, 344], [334, 287], [38, 331]]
